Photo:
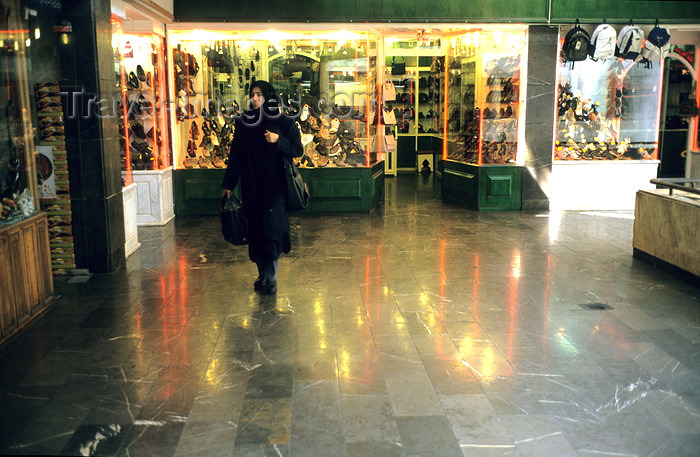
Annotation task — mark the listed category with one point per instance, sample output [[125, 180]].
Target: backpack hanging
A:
[[657, 45], [576, 43], [629, 42], [603, 42]]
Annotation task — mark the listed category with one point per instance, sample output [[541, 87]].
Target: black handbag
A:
[[297, 190], [398, 68], [234, 225]]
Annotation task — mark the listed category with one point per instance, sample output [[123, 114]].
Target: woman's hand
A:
[[271, 137], [227, 193]]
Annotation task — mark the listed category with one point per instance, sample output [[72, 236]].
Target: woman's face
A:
[[256, 97]]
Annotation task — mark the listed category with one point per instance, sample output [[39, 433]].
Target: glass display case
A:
[[143, 123], [26, 283], [608, 110], [18, 182], [484, 118], [324, 80], [484, 80]]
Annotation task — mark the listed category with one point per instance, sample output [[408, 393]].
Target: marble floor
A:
[[421, 329]]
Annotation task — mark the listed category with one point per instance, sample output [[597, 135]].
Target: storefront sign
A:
[[45, 169]]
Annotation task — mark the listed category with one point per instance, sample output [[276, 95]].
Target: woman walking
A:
[[263, 138]]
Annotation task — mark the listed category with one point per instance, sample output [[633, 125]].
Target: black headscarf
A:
[[269, 113]]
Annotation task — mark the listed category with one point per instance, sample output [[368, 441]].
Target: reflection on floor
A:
[[421, 329]]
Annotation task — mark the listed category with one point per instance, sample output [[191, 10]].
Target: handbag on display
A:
[[389, 143], [389, 116], [389, 91], [398, 68], [234, 226], [297, 190]]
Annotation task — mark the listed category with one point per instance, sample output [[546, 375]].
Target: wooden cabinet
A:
[[26, 283]]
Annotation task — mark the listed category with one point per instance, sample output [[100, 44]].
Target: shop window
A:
[[18, 182], [323, 79], [484, 76], [608, 110], [143, 119]]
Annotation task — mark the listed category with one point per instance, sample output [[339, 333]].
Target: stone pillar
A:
[[540, 116], [92, 141]]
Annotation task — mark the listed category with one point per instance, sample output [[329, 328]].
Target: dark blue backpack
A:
[[658, 36]]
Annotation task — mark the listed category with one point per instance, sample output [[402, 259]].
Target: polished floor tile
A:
[[422, 329]]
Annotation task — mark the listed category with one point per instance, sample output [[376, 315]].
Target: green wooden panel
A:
[[377, 185], [437, 144], [332, 187], [201, 188], [594, 11], [344, 189], [197, 192], [425, 143], [464, 183], [358, 10], [500, 186], [396, 11], [460, 183], [406, 151], [482, 187]]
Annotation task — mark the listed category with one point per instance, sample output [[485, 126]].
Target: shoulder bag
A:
[[234, 226], [297, 190]]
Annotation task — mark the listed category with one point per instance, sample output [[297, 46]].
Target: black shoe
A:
[[140, 74], [269, 287], [258, 284], [265, 286]]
